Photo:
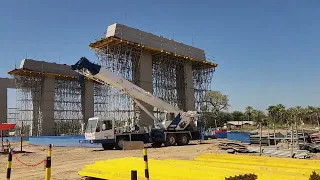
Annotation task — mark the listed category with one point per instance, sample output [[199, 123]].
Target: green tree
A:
[[311, 113], [207, 119], [272, 113], [296, 115], [280, 113], [291, 115], [215, 102], [248, 113], [224, 117], [317, 114], [238, 116], [258, 116], [300, 113]]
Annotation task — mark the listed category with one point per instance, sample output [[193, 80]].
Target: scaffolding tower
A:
[[123, 58]]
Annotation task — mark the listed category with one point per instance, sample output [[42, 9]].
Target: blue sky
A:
[[268, 51]]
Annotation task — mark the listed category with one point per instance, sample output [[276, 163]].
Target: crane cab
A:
[[100, 128]]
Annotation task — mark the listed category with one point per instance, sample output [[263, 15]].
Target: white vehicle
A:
[[178, 128]]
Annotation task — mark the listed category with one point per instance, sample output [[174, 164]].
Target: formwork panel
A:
[[154, 41]]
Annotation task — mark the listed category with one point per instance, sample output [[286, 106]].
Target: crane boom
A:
[[99, 73], [104, 76]]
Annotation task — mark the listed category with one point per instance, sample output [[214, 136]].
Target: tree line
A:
[[215, 113]]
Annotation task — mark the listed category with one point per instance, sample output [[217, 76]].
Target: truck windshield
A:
[[91, 127]]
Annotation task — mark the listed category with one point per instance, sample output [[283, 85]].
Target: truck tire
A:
[[119, 143], [107, 146], [183, 139], [170, 140]]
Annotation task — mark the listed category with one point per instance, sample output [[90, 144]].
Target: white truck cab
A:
[[100, 128]]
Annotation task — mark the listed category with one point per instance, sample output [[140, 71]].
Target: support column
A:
[[4, 84], [181, 87], [36, 118], [145, 82], [47, 107], [3, 105], [87, 101], [190, 100], [185, 89]]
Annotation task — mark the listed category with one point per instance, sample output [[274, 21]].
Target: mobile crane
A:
[[178, 128]]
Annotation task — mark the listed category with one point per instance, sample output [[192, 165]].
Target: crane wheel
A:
[[120, 141], [170, 140], [183, 139]]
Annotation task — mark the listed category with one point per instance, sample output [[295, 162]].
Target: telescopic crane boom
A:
[[100, 74]]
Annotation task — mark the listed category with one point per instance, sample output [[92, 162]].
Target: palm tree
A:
[[254, 115], [291, 114], [300, 113], [314, 112], [261, 117], [248, 113], [280, 112], [257, 115], [311, 112], [272, 111], [318, 116]]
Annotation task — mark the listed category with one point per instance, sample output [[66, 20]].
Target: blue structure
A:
[[15, 139], [239, 136], [62, 141], [220, 135]]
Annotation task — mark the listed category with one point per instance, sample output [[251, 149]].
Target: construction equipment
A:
[[178, 127]]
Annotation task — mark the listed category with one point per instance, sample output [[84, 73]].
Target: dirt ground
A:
[[67, 161]]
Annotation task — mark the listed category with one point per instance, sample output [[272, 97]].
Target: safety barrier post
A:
[[134, 175], [48, 164], [145, 158], [9, 164]]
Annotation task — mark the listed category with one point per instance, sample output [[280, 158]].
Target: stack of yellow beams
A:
[[204, 167], [264, 167]]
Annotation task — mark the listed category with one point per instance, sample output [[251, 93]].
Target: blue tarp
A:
[[15, 139], [66, 141], [220, 135], [239, 136]]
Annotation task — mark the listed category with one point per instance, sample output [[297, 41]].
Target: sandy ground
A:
[[67, 161]]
